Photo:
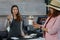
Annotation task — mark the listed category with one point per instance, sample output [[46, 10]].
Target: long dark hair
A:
[[55, 13], [18, 14]]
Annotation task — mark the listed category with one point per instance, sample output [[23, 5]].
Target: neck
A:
[[14, 16]]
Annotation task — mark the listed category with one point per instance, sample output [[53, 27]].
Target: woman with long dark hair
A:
[[15, 22]]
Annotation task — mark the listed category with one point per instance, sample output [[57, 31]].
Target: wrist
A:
[[45, 29]]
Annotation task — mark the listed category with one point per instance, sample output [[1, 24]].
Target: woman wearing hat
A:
[[52, 24]]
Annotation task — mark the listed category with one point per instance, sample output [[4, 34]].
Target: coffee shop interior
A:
[[29, 9]]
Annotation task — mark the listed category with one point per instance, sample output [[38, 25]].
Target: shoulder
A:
[[58, 17]]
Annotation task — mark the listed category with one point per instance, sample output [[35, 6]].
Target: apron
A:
[[15, 29]]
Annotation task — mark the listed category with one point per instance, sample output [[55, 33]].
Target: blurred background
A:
[[26, 7]]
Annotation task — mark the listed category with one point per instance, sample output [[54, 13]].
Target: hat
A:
[[55, 4]]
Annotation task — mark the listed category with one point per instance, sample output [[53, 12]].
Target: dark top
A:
[[15, 30]]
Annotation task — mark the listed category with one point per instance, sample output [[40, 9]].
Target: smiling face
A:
[[15, 13], [15, 10]]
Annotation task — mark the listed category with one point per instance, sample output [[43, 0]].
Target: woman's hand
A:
[[9, 17], [45, 29], [24, 35], [36, 25]]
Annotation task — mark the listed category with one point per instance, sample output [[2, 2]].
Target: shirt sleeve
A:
[[55, 27], [6, 23]]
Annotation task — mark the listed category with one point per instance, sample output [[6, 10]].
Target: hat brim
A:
[[53, 7]]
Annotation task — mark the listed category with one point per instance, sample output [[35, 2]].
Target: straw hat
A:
[[55, 4]]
